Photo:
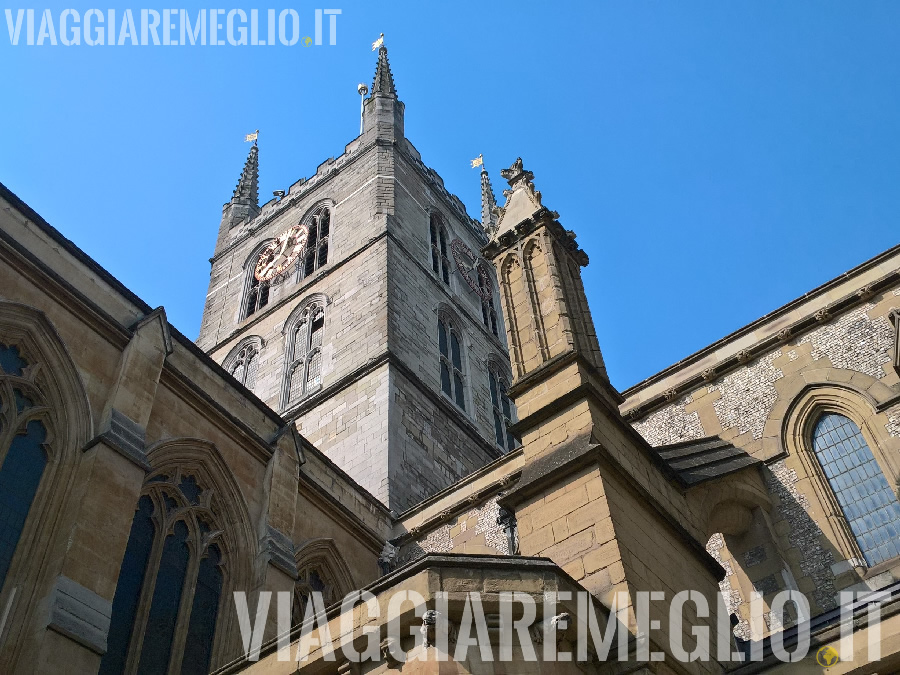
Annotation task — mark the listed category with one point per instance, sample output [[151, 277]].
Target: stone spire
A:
[[383, 111], [488, 204], [247, 190], [244, 203], [384, 80], [547, 317]]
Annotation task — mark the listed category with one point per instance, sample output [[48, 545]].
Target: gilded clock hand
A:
[[272, 264]]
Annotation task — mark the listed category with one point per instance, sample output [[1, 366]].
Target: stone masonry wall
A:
[[473, 531], [737, 405]]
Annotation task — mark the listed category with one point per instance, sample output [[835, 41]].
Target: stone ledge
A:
[[79, 614], [280, 549], [125, 436]]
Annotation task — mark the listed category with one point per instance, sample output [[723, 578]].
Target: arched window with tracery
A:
[[451, 361], [167, 601], [501, 409], [257, 295], [23, 457], [304, 335], [320, 569], [243, 364], [317, 243], [867, 500], [486, 291], [440, 263]]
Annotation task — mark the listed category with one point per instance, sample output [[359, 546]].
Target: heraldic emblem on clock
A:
[[475, 274], [278, 256]]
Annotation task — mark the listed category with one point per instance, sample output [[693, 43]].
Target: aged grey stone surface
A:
[[80, 614], [378, 411]]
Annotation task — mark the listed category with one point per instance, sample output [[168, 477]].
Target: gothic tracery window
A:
[[501, 409], [245, 365], [313, 578], [22, 452], [867, 500], [451, 362], [170, 584], [317, 244], [304, 352], [257, 295], [488, 311], [440, 263]]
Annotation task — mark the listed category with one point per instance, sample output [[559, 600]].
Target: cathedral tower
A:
[[357, 305]]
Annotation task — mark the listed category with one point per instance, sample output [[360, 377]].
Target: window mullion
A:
[[142, 613], [195, 538]]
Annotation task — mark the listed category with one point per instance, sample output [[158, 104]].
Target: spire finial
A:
[[488, 204], [384, 80], [247, 190], [488, 201]]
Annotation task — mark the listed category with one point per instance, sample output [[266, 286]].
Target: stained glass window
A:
[[868, 501]]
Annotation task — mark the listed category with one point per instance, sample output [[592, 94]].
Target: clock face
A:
[[475, 274], [281, 253]]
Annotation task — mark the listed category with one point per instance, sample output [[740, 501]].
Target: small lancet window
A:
[[502, 410], [451, 362], [257, 294], [867, 500], [304, 358], [317, 243], [488, 312], [440, 263]]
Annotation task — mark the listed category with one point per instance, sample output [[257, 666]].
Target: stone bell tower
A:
[[593, 495], [381, 341]]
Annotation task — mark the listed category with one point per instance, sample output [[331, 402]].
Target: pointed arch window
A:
[[304, 353], [501, 409], [451, 362], [320, 569], [257, 295], [22, 452], [245, 364], [317, 243], [486, 291], [440, 263], [869, 504], [169, 593]]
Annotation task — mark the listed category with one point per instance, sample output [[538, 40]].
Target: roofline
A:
[[189, 345], [750, 327]]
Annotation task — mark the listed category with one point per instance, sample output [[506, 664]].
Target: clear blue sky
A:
[[717, 159]]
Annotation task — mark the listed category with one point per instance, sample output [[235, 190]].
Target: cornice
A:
[[814, 317]]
